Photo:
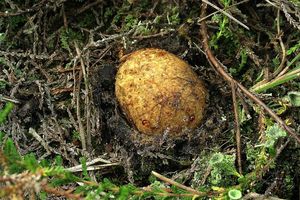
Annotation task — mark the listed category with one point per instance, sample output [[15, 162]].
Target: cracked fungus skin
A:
[[160, 93]]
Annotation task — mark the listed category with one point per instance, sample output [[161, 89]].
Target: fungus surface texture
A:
[[160, 93]]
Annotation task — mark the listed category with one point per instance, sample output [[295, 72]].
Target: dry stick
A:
[[40, 139], [237, 128], [64, 16], [86, 7], [165, 179], [279, 71], [78, 114], [95, 167], [225, 13], [4, 99], [227, 8], [217, 66], [87, 100]]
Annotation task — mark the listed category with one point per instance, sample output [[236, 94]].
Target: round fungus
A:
[[159, 92]]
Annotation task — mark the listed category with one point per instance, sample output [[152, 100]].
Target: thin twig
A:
[[288, 65], [270, 162], [92, 162], [88, 6], [94, 167], [4, 99], [170, 181], [86, 98], [40, 139], [227, 8], [278, 72], [237, 128], [64, 16], [78, 114], [160, 34], [218, 67], [225, 13], [206, 175]]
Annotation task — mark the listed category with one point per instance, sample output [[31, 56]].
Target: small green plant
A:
[[67, 37], [130, 21], [2, 37], [5, 111], [293, 98], [273, 133], [234, 194], [243, 61], [224, 31], [222, 167], [174, 18]]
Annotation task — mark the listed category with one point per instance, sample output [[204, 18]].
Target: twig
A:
[[206, 175], [160, 34], [225, 13], [88, 6], [3, 98], [87, 99], [227, 8], [237, 128], [94, 167], [165, 179], [78, 114], [270, 162], [40, 139], [288, 65], [217, 66], [64, 16], [102, 54], [279, 71], [96, 160]]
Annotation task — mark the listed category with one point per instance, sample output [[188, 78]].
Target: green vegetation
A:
[[57, 65], [5, 111]]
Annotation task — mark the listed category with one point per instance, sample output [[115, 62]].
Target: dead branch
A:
[[237, 128]]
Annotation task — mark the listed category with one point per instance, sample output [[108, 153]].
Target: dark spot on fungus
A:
[[191, 118], [161, 53], [145, 122]]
